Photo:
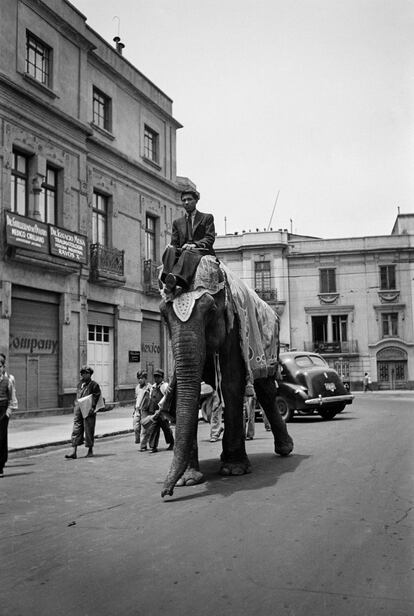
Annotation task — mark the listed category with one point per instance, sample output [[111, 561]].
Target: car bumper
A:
[[346, 399]]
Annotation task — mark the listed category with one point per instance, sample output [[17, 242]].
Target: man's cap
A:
[[191, 191], [142, 375], [205, 389], [86, 369], [159, 372]]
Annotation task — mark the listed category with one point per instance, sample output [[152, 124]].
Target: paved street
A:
[[325, 532]]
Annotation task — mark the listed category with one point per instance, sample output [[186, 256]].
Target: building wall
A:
[[115, 312], [296, 263]]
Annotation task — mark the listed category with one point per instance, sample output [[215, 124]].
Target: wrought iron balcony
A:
[[267, 295], [150, 277], [107, 265], [339, 347]]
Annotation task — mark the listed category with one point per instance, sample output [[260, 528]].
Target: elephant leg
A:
[[234, 460], [192, 475], [266, 395]]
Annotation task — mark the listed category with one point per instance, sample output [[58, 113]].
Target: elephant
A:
[[209, 335]]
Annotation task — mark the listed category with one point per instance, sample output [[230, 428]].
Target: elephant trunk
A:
[[188, 344]]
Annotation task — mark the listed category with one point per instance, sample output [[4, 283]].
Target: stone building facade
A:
[[351, 299], [88, 193]]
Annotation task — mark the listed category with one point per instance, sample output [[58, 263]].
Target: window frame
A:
[[100, 215], [15, 176], [150, 238], [262, 276], [327, 280], [391, 321], [386, 278], [101, 120], [41, 50], [151, 144], [47, 190]]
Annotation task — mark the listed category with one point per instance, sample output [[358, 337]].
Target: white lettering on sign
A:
[[33, 345]]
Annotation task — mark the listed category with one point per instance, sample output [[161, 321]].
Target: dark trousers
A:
[[164, 425], [4, 425], [182, 263], [83, 427]]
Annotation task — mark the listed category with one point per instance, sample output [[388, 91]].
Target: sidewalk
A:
[[56, 429]]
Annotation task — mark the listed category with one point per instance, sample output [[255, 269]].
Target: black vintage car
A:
[[309, 386]]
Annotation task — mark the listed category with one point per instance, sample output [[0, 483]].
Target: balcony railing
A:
[[107, 265], [322, 347], [150, 277], [267, 295]]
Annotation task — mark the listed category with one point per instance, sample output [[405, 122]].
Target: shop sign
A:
[[33, 344], [134, 356], [67, 244], [26, 233]]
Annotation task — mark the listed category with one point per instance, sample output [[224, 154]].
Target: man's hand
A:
[[188, 246], [8, 412]]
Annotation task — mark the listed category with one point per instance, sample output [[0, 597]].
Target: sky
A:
[[297, 114]]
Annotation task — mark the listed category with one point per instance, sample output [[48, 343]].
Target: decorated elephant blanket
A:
[[259, 324]]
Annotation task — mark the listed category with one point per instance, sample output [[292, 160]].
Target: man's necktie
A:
[[189, 229]]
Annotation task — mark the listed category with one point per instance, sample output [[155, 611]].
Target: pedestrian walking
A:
[[211, 410], [142, 394], [8, 404], [142, 391], [367, 382], [249, 412], [88, 401], [160, 420]]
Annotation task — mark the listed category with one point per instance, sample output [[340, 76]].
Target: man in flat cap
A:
[[84, 418], [142, 394], [192, 237]]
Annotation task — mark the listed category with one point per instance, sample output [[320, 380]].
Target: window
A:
[[339, 328], [38, 59], [98, 333], [262, 277], [48, 196], [150, 248], [150, 144], [99, 219], [19, 183], [387, 277], [327, 281], [389, 324], [101, 109], [320, 329]]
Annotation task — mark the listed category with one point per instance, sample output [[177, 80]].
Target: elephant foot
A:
[[235, 468], [284, 449], [191, 477]]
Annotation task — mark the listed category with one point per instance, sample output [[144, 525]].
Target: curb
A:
[[67, 441]]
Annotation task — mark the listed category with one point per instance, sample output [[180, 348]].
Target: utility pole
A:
[[225, 225]]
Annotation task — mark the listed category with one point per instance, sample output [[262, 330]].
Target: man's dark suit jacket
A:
[[203, 232], [183, 263]]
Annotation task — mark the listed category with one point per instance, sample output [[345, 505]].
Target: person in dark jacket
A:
[[84, 427], [193, 236], [8, 403]]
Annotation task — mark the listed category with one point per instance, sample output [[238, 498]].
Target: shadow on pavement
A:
[[267, 468]]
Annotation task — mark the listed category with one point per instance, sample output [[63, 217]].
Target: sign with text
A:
[[134, 356], [26, 233], [67, 244]]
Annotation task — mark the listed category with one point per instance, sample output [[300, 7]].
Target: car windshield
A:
[[303, 361]]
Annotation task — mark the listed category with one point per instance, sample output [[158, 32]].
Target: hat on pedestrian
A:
[[205, 389], [159, 372], [191, 191], [86, 369], [142, 375]]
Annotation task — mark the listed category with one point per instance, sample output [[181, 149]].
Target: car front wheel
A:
[[284, 409]]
